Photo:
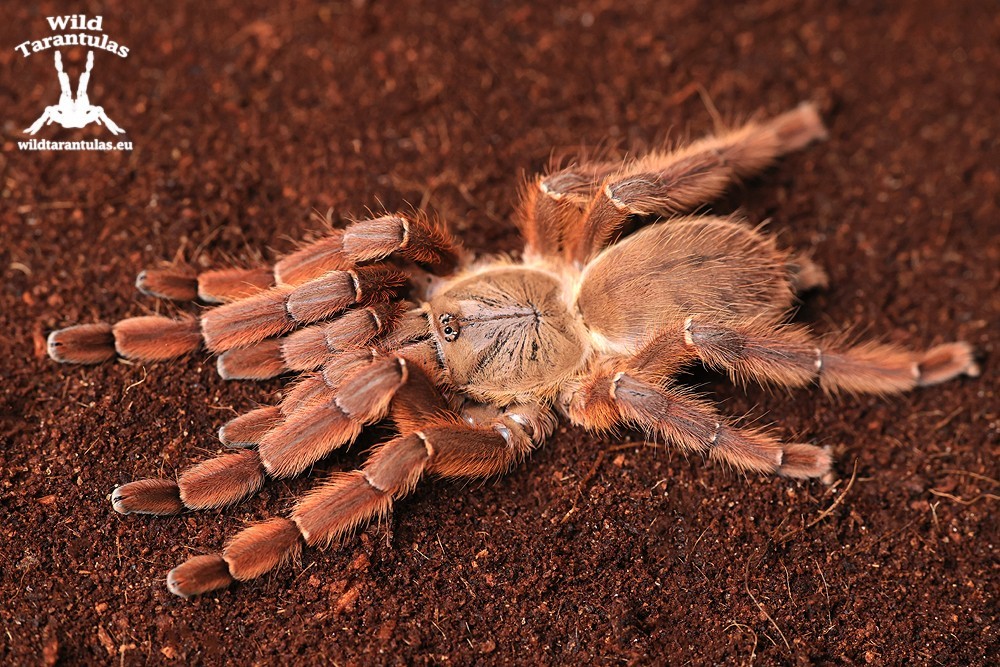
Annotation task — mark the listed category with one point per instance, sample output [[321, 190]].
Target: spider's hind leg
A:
[[552, 204], [789, 356], [663, 184], [610, 397]]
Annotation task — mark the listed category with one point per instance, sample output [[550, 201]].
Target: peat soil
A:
[[246, 118]]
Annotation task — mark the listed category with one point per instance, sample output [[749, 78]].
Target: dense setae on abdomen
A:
[[662, 274]]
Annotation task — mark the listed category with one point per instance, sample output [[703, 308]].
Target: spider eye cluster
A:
[[449, 327]]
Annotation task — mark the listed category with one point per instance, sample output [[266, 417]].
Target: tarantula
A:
[[472, 360]]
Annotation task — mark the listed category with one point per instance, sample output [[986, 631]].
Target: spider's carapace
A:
[[508, 334]]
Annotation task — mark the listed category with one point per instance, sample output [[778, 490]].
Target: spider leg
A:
[[279, 310], [433, 441], [607, 398], [417, 239], [789, 356], [297, 436], [308, 348], [669, 183], [273, 312], [267, 312], [553, 203], [147, 338], [317, 388], [180, 283], [385, 325], [312, 389]]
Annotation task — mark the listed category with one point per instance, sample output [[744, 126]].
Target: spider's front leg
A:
[[238, 324], [433, 440], [320, 415], [414, 238], [317, 282], [310, 347]]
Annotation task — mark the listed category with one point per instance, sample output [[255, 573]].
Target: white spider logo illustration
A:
[[77, 112]]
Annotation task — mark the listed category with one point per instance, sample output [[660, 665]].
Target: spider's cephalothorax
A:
[[507, 333], [473, 365]]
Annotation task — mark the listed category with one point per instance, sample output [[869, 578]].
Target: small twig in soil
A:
[[583, 484], [590, 473], [974, 475], [964, 501], [829, 510], [826, 589], [746, 585], [695, 546], [947, 420], [630, 445], [137, 383], [741, 626]]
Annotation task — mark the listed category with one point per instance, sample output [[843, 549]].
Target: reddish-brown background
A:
[[246, 118]]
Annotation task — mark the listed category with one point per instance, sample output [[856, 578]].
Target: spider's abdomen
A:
[[506, 334], [665, 273]]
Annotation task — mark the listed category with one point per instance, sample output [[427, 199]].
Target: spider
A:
[[618, 289]]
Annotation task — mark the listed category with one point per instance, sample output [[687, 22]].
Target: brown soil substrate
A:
[[245, 119]]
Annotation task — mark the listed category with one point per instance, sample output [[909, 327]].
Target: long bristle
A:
[[261, 548], [304, 438], [82, 344], [199, 575], [156, 338], [247, 321], [260, 361], [225, 285], [221, 481], [148, 496], [174, 283]]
